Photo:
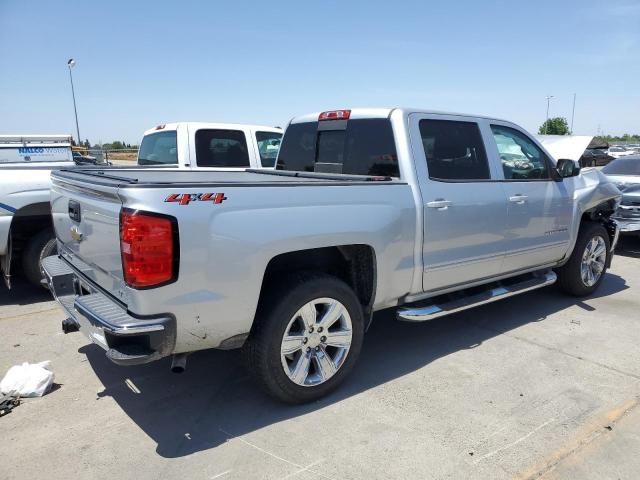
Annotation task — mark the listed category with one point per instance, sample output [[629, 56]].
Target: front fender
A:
[[594, 195]]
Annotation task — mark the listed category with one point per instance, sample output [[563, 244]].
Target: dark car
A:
[[595, 157], [81, 159]]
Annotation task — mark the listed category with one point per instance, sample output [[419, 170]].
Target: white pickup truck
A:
[[26, 231], [425, 212], [202, 146]]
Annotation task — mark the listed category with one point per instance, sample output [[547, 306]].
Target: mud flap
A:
[[5, 263]]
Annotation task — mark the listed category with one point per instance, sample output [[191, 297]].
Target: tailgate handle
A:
[[74, 211]]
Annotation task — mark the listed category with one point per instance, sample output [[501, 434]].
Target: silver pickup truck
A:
[[427, 213]]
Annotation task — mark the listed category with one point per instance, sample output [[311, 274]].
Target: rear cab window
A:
[[268, 147], [159, 149], [221, 148], [363, 146]]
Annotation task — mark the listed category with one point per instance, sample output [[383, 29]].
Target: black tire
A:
[[569, 275], [278, 306], [40, 246]]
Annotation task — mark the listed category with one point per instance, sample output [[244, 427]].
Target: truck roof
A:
[[385, 112], [211, 125]]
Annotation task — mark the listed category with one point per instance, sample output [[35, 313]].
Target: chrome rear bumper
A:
[[127, 339]]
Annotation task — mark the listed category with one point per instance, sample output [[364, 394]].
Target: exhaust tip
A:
[[69, 325], [179, 363]]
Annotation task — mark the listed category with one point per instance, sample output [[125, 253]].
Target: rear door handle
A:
[[519, 199], [440, 204]]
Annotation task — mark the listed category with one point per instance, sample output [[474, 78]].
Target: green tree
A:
[[555, 126], [117, 145], [86, 143]]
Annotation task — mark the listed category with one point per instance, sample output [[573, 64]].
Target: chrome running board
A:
[[446, 305]]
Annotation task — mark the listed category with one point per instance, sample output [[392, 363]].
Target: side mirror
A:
[[567, 168]]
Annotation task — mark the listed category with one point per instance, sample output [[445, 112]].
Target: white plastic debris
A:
[[28, 380]]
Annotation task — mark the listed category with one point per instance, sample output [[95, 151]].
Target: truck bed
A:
[[149, 178]]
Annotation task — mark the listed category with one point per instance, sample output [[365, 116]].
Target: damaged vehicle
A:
[[625, 173], [428, 213]]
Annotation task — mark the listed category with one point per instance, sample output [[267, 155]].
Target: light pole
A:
[[70, 64], [573, 113], [546, 123]]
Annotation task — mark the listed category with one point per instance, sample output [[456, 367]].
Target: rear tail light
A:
[[335, 115], [149, 248]]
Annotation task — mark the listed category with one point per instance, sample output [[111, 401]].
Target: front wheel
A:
[[586, 267], [306, 338]]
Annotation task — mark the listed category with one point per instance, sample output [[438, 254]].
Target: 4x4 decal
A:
[[186, 198]]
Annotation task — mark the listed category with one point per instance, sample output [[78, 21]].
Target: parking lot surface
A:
[[536, 386]]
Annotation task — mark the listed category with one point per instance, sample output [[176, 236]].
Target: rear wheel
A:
[[306, 339], [586, 267], [40, 246]]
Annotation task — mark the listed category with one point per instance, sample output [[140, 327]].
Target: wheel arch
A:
[[354, 264], [26, 222], [602, 214]]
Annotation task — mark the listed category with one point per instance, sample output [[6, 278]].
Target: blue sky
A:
[[140, 63]]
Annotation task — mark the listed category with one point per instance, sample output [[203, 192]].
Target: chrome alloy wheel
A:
[[316, 342], [593, 261]]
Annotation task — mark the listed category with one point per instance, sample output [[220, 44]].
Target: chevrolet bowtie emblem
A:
[[76, 234]]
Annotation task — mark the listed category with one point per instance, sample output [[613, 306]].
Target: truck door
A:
[[539, 208], [464, 208]]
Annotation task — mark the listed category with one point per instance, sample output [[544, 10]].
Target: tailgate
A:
[[86, 218]]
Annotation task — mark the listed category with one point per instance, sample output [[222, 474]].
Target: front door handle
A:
[[440, 204], [519, 199]]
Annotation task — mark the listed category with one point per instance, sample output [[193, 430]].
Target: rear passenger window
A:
[[221, 148], [454, 150], [364, 147]]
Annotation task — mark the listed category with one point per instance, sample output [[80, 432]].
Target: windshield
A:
[[623, 166], [159, 149]]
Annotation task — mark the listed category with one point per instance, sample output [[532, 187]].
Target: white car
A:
[[216, 146], [618, 151]]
